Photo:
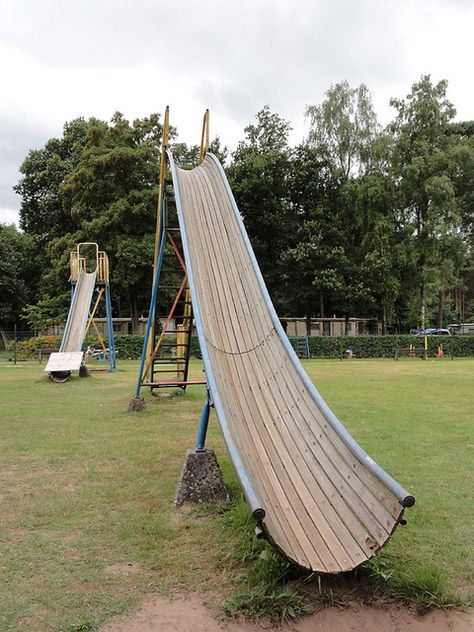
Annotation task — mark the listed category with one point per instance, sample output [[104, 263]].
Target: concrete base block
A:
[[136, 404], [201, 480], [84, 371]]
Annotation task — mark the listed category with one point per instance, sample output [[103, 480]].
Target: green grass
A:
[[416, 419], [87, 527]]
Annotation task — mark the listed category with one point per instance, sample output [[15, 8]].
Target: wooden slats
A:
[[324, 509]]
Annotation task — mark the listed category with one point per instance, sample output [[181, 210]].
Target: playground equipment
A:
[[313, 491], [168, 369], [87, 274]]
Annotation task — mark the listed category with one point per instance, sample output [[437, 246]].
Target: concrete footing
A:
[[201, 480], [136, 404], [84, 371]]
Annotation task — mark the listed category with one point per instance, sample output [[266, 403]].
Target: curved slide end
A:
[[59, 376]]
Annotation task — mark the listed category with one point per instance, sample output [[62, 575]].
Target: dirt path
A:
[[190, 614]]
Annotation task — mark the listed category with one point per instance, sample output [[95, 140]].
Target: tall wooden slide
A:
[[69, 357], [317, 496]]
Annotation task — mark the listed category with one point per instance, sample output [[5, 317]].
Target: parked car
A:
[[434, 331], [461, 328]]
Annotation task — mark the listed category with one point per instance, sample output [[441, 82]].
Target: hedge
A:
[[130, 346], [384, 346]]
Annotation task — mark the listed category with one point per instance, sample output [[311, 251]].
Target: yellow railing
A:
[[78, 262], [103, 268], [204, 136], [75, 265]]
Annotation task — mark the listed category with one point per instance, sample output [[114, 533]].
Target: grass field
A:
[[87, 526]]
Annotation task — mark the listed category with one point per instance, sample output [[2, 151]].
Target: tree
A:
[[16, 272], [424, 163], [328, 255], [41, 211], [110, 197], [381, 253], [258, 176], [343, 128], [312, 257], [47, 311]]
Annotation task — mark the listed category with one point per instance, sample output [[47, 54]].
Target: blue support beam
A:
[[201, 438], [110, 329], [154, 295]]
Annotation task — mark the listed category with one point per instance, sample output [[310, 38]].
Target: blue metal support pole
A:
[[154, 294], [110, 329], [201, 438]]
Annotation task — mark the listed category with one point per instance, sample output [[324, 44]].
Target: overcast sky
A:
[[66, 58]]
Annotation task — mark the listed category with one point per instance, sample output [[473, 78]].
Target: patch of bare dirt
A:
[[190, 614], [124, 568]]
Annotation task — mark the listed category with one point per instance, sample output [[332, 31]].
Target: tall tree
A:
[[344, 127], [424, 164], [110, 196], [258, 176], [41, 211], [311, 260], [330, 249], [17, 272], [381, 255]]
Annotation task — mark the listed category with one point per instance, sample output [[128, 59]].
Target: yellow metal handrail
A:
[[79, 262], [204, 136], [103, 268]]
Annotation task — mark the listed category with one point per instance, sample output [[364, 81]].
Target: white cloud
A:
[[8, 216], [68, 58]]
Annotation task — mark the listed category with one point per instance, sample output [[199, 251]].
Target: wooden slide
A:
[[317, 496]]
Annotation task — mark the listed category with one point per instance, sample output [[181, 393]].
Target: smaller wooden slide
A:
[[69, 357], [317, 496]]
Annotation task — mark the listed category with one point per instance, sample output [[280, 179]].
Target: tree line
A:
[[356, 220]]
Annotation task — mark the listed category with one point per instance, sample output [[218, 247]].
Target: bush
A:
[[384, 346], [25, 349], [129, 347]]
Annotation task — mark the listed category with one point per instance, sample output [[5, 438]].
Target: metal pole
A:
[[110, 329], [151, 313], [14, 353], [201, 438]]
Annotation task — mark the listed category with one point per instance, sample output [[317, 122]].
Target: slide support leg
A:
[[110, 330], [201, 438]]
